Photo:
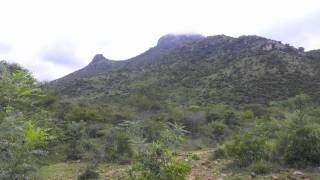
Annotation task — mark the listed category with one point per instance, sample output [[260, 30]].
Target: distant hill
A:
[[193, 69]]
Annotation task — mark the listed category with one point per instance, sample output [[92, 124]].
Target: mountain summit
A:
[[172, 40], [196, 69], [97, 65], [98, 58]]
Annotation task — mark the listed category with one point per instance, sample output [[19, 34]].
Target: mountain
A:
[[193, 69], [98, 65]]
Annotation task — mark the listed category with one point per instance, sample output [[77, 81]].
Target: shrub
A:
[[219, 153], [261, 167], [215, 130], [156, 160], [75, 132], [156, 163], [93, 130], [84, 113], [247, 115], [303, 146], [151, 130], [192, 122], [176, 170], [247, 149], [89, 173], [191, 156], [117, 145], [231, 119]]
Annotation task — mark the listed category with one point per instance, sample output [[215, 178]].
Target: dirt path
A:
[[203, 168]]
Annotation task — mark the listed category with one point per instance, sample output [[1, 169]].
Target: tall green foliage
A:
[[22, 140]]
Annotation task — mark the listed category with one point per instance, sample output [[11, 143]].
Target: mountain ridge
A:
[[214, 69]]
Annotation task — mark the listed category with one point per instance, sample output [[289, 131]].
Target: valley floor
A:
[[203, 168]]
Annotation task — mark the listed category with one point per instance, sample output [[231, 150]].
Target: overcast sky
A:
[[55, 37]]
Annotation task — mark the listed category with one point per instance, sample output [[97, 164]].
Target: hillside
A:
[[192, 69], [192, 107]]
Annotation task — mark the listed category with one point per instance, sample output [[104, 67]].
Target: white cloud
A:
[[300, 32], [121, 29], [61, 53], [4, 48]]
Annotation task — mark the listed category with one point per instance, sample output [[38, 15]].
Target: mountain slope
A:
[[98, 65], [192, 69]]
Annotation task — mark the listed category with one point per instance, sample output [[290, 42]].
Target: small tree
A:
[[22, 140]]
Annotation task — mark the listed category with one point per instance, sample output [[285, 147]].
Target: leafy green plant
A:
[[215, 130], [176, 170], [262, 167], [89, 173], [117, 146], [303, 146], [75, 132], [247, 149], [35, 136], [24, 136], [156, 160]]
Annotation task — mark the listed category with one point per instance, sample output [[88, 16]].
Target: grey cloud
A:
[[61, 54], [298, 32]]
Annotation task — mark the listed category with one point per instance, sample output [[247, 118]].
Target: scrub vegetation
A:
[[192, 107]]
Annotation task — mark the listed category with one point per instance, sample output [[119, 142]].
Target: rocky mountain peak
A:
[[98, 58]]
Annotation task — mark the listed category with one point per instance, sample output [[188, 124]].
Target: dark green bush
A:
[[215, 130], [92, 130], [247, 149], [231, 119], [151, 130], [89, 173], [117, 146], [74, 133], [192, 121], [84, 113], [219, 153], [303, 147], [262, 167]]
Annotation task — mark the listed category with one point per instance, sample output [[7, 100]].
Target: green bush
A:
[[246, 115], [75, 133], [176, 170], [262, 167], [247, 149], [191, 156], [89, 173], [24, 135], [84, 112], [117, 146], [151, 130], [192, 121], [231, 119], [219, 153], [303, 147], [93, 130], [156, 162], [215, 130]]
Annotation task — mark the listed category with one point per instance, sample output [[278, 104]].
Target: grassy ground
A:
[[71, 170], [202, 169], [60, 171]]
